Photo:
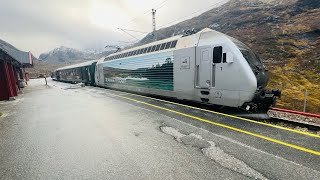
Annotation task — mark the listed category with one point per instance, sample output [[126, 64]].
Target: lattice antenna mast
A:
[[154, 23]]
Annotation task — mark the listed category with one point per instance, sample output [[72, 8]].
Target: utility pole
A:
[[154, 23]]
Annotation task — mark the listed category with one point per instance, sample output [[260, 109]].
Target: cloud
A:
[[41, 25]]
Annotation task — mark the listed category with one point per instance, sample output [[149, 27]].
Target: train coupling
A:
[[263, 100]]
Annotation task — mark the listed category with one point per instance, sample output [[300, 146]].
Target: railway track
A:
[[287, 119], [295, 118]]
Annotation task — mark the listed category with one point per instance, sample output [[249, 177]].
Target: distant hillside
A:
[[285, 34], [67, 55]]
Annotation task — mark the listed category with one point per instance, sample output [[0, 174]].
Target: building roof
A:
[[25, 58]]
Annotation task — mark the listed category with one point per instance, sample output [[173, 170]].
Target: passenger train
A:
[[206, 67]]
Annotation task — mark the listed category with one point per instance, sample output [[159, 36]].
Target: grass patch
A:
[[293, 83], [0, 114]]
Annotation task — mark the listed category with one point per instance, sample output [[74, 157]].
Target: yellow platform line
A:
[[226, 126], [227, 115]]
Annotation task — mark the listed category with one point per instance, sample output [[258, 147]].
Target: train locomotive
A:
[[206, 66]]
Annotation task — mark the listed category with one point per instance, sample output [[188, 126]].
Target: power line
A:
[[132, 30], [147, 11], [128, 33], [195, 12]]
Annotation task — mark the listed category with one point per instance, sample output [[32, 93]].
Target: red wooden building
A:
[[12, 73]]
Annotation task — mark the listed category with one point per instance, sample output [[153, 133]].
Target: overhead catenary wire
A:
[[147, 11], [132, 30], [193, 13], [128, 33], [160, 5]]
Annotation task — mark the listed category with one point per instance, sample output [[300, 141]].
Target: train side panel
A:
[[184, 73], [150, 74]]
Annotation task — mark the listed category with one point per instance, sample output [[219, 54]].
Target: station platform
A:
[[69, 131]]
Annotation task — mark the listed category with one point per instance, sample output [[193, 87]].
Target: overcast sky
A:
[[41, 25]]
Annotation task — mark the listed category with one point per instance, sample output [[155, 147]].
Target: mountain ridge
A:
[[65, 54]]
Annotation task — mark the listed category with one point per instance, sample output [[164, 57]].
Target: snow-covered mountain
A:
[[66, 54]]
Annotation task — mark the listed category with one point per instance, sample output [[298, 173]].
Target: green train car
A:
[[78, 73]]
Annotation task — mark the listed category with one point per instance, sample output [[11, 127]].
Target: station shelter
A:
[[12, 70]]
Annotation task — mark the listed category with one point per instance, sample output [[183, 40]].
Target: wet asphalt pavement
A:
[[69, 132]]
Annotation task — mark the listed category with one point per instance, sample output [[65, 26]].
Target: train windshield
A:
[[252, 59]]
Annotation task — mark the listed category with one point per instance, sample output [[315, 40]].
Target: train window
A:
[[158, 47], [140, 51], [149, 49], [224, 58], [153, 48], [168, 45], [145, 50], [217, 54], [130, 53], [162, 46], [174, 43]]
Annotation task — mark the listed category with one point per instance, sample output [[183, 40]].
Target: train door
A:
[[88, 74], [203, 68], [216, 62]]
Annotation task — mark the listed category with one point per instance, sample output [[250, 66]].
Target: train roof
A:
[[87, 63], [147, 45], [175, 42]]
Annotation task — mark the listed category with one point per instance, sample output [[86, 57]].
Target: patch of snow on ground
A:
[[210, 150], [230, 162], [173, 132]]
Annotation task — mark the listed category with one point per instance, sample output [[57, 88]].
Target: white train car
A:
[[207, 66]]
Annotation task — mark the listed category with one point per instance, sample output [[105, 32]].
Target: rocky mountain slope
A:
[[285, 34], [67, 55]]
